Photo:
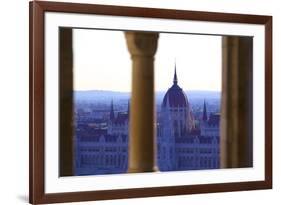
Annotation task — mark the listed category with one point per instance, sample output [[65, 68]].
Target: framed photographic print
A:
[[137, 102]]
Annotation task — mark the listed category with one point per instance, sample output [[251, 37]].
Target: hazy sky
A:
[[102, 61]]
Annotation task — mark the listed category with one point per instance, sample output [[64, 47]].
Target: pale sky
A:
[[102, 61]]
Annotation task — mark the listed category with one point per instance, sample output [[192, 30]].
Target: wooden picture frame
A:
[[37, 151]]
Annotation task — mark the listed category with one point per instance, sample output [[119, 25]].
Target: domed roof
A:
[[175, 96]]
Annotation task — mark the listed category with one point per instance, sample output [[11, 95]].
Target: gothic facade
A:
[[181, 145]]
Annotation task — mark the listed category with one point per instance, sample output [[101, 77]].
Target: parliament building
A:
[[182, 144]]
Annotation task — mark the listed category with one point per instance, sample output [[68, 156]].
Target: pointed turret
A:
[[175, 76], [111, 116], [204, 117]]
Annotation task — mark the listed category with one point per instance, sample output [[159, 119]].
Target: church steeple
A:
[[205, 117], [111, 116], [175, 76]]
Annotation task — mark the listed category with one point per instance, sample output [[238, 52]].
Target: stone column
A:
[[66, 149], [236, 108], [142, 142]]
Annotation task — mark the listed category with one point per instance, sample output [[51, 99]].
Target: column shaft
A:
[[66, 150], [236, 107], [142, 47]]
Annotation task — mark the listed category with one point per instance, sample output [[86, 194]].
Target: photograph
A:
[[188, 81]]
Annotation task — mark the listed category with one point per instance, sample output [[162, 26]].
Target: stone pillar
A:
[[236, 135], [66, 149], [142, 142]]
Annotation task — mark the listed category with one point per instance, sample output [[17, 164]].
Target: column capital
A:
[[142, 43]]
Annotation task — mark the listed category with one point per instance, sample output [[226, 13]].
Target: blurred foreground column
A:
[[237, 107], [66, 150], [142, 154]]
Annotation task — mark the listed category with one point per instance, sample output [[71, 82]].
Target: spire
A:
[[175, 76], [204, 118], [111, 116]]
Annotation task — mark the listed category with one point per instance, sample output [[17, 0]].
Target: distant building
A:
[[103, 151], [118, 125], [181, 143]]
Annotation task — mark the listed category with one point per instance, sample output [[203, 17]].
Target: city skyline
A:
[[186, 51], [187, 139]]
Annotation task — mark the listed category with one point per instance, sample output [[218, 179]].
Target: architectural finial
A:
[[205, 117], [175, 75]]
